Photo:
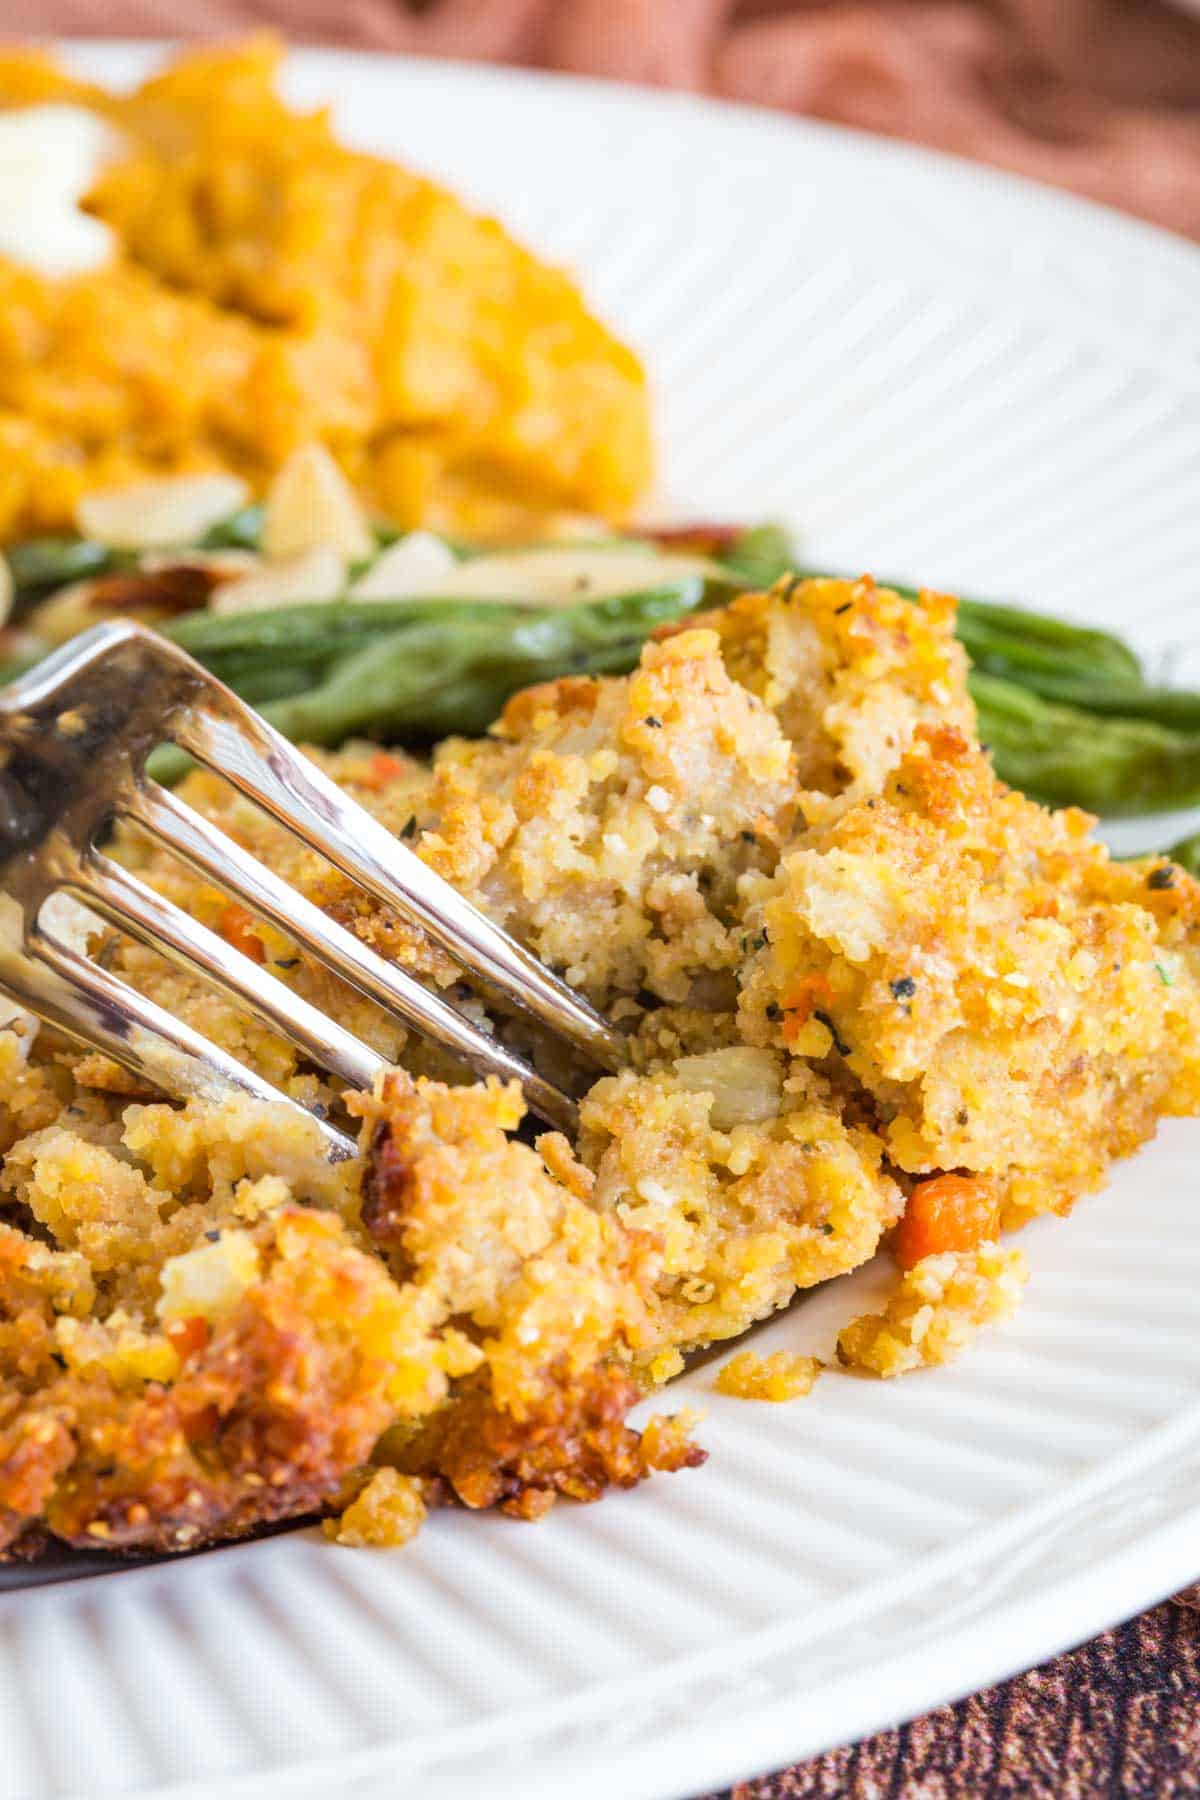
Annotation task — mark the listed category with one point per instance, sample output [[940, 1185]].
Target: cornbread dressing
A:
[[863, 984]]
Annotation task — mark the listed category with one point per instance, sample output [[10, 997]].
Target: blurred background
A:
[[1099, 96]]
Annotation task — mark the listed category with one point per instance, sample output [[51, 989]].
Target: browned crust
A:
[[575, 1442], [263, 1423]]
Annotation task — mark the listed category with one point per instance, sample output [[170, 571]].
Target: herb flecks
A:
[[1162, 877], [839, 1042]]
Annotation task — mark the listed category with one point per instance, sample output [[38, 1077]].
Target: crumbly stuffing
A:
[[784, 1375], [935, 1310], [982, 970], [389, 1510], [607, 823], [862, 983], [744, 1216]]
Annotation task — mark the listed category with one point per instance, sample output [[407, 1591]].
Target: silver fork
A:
[[75, 735]]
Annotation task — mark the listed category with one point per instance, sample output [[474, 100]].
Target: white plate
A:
[[935, 372]]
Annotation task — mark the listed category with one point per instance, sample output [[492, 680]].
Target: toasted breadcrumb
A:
[[667, 1441], [937, 1308], [389, 1511], [784, 1375]]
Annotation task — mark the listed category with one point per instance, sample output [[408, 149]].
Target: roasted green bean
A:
[[1187, 853], [1064, 708], [240, 531], [1065, 756], [40, 565]]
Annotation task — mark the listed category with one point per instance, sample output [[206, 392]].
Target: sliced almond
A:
[[7, 591], [310, 502], [418, 565], [314, 576], [160, 515], [561, 575]]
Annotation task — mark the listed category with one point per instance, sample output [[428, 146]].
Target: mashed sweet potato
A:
[[863, 983], [272, 289]]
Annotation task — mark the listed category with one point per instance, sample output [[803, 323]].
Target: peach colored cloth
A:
[[1102, 96]]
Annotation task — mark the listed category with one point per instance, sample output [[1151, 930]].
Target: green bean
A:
[[431, 678], [41, 564], [242, 530], [760, 556], [12, 667], [1187, 853], [1065, 756], [1064, 708], [1032, 642], [1176, 708], [412, 670], [316, 636]]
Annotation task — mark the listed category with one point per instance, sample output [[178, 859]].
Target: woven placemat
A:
[[1117, 1719]]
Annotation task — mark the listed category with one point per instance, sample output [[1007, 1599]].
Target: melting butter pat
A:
[[50, 158]]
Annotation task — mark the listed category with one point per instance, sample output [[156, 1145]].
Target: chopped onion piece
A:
[[746, 1084]]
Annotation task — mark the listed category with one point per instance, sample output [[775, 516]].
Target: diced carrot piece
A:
[[805, 997], [382, 768], [947, 1212], [186, 1336], [236, 926]]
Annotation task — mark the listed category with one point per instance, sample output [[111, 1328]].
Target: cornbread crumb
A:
[[784, 1375], [388, 1512], [667, 1440], [210, 1280], [935, 1310]]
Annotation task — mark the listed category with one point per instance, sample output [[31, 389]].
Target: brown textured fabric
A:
[[1101, 96], [1118, 1719]]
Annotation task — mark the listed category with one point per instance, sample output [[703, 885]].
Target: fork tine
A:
[[88, 1003], [210, 852], [235, 741], [131, 906]]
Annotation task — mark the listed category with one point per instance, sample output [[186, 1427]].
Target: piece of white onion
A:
[[746, 1084]]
